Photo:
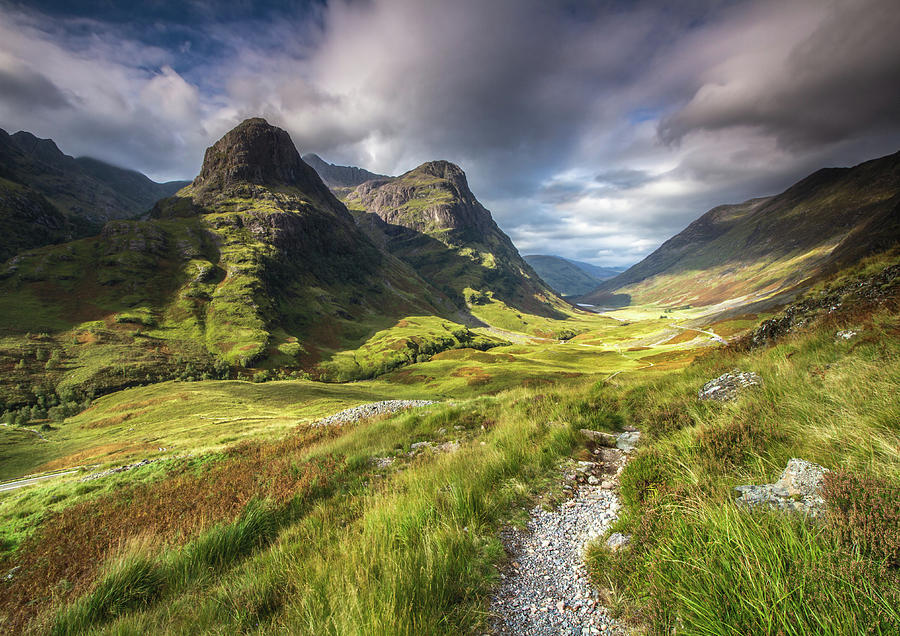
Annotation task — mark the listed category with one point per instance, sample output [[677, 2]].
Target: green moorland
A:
[[271, 526]]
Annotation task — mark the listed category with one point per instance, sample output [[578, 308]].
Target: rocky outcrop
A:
[[430, 219], [873, 288], [799, 489], [256, 153], [435, 196], [625, 442], [727, 386]]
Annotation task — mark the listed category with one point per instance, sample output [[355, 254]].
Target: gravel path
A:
[[364, 411], [545, 588]]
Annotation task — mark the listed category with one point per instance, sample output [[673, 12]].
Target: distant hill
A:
[[429, 218], [341, 179], [598, 272], [47, 197], [569, 278], [753, 250]]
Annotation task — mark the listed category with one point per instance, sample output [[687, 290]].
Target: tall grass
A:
[[138, 578], [408, 551], [725, 571], [698, 564]]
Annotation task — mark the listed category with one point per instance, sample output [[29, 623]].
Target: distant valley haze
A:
[[591, 131]]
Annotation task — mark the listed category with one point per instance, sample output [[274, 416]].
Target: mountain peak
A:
[[258, 153], [441, 169], [43, 149]]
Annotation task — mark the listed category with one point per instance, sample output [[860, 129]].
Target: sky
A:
[[593, 130]]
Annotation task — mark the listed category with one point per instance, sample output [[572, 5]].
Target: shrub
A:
[[863, 513], [642, 479], [724, 447], [663, 419]]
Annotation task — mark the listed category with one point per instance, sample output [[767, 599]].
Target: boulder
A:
[[727, 386], [798, 489], [601, 439], [627, 441]]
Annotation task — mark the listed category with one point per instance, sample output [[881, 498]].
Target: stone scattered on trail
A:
[[118, 469], [420, 447], [601, 439], [382, 462], [627, 441], [545, 590], [845, 335], [365, 411], [617, 541], [798, 489], [727, 385]]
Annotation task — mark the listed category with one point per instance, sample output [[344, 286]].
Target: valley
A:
[[170, 462]]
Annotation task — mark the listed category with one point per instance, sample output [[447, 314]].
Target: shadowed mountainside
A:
[[765, 246], [341, 179], [47, 197], [569, 278]]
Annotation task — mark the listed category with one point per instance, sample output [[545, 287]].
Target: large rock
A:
[[626, 442], [727, 386], [799, 489], [598, 437]]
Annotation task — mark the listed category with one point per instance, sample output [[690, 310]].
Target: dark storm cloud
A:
[[839, 80], [622, 178], [590, 129], [24, 90]]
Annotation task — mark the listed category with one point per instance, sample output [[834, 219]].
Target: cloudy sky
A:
[[593, 130]]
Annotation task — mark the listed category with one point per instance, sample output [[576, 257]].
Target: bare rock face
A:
[[434, 196], [258, 153], [727, 386], [798, 489]]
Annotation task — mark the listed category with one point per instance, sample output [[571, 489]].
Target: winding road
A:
[[19, 483]]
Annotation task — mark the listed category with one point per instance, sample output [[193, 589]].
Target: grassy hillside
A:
[[352, 530], [700, 564], [236, 278], [751, 251]]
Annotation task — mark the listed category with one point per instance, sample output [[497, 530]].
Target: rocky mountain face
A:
[[340, 178], [429, 218], [569, 278], [763, 247], [47, 197]]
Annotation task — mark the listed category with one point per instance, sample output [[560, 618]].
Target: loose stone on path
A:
[[545, 589], [365, 411]]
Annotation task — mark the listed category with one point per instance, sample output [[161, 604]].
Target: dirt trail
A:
[[711, 334]]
